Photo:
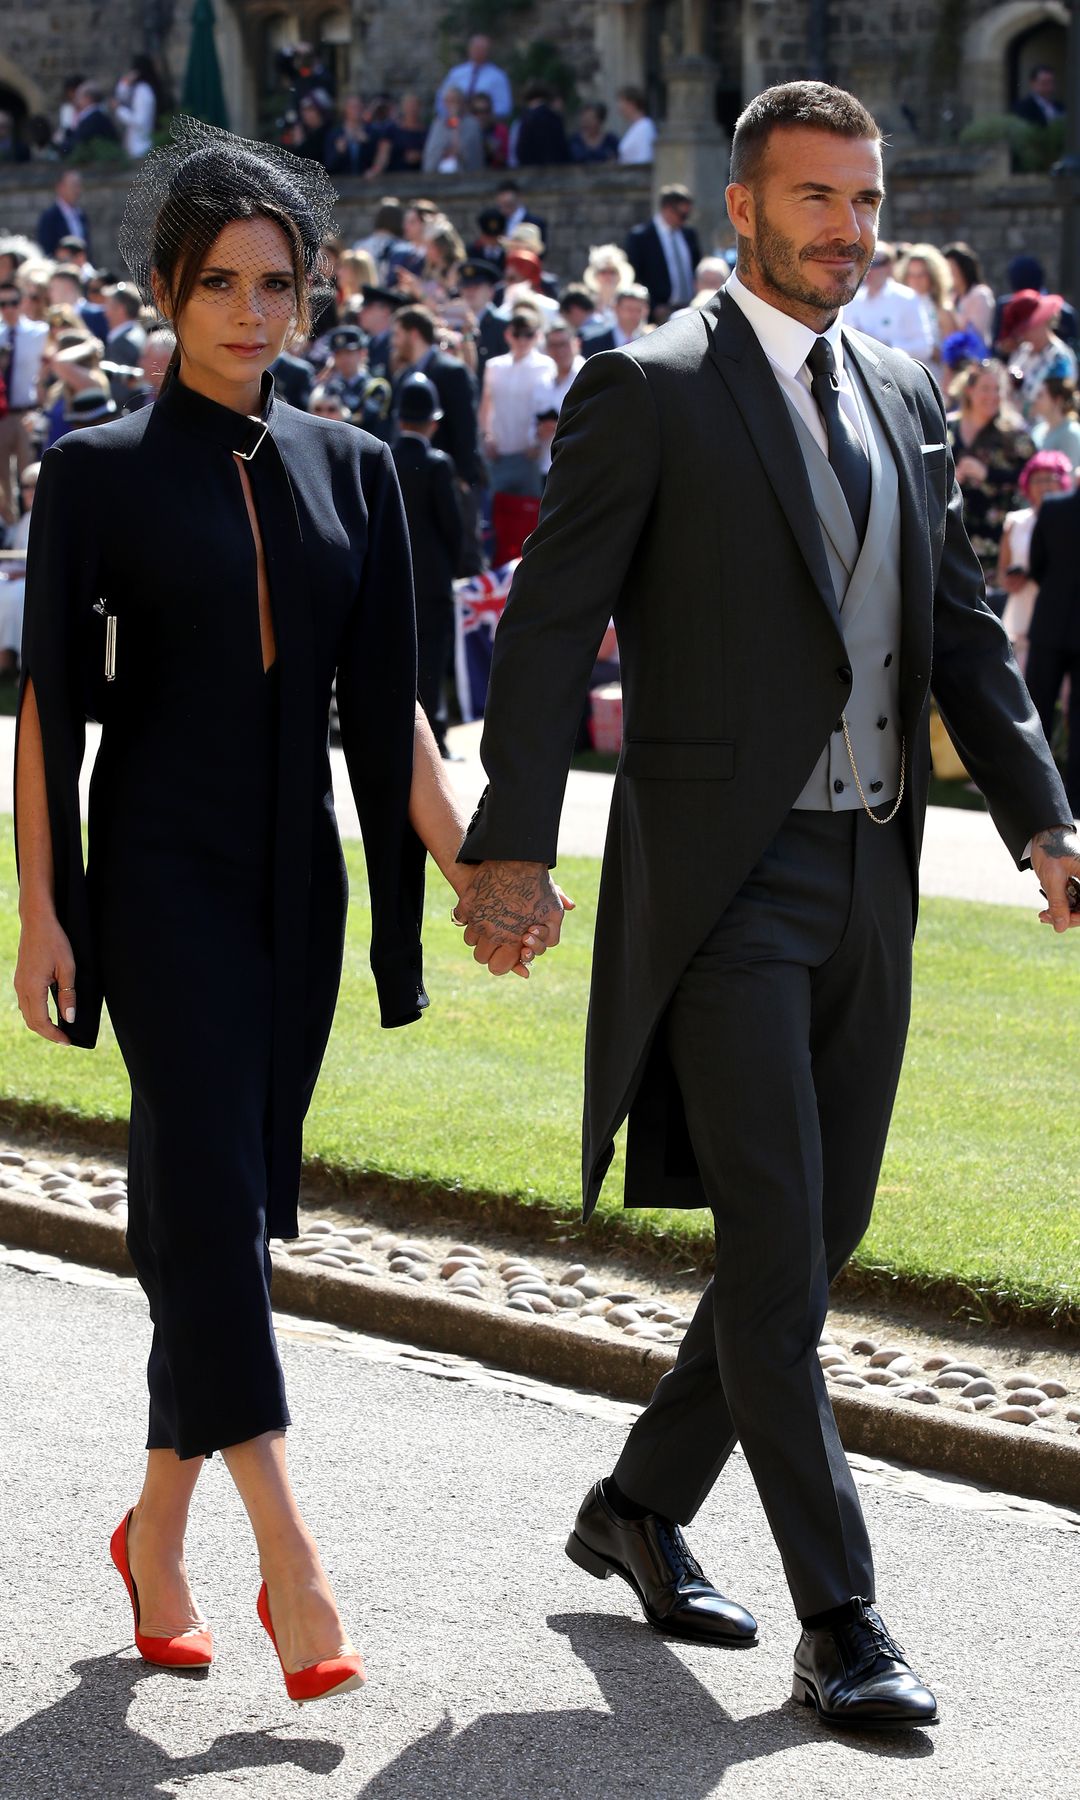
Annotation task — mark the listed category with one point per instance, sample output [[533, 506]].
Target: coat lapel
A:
[[745, 370]]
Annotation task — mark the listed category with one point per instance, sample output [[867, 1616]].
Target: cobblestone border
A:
[[978, 1449]]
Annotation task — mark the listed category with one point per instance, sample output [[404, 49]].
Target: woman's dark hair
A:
[[419, 319], [146, 69], [186, 193], [965, 259], [813, 105], [1063, 390], [389, 216]]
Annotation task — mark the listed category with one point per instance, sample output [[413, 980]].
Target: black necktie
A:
[[850, 463]]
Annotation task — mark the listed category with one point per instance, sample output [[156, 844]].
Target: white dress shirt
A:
[[509, 414], [30, 335], [787, 343], [895, 316], [638, 142], [137, 112], [550, 392], [679, 261]]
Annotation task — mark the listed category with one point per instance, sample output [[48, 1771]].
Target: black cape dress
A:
[[211, 911]]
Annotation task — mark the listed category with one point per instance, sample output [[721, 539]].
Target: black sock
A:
[[835, 1615], [621, 1504]]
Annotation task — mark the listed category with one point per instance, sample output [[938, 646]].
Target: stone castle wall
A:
[[581, 207], [936, 195]]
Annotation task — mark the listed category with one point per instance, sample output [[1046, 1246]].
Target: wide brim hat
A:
[[526, 261], [1027, 309], [89, 406]]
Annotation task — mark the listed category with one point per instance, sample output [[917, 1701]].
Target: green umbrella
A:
[[203, 94]]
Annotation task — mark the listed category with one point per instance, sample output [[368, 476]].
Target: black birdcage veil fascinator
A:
[[187, 193]]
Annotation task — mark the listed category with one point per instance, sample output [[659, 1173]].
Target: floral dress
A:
[[1004, 449]]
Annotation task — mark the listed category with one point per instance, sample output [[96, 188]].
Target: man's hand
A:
[[512, 912], [1055, 858]]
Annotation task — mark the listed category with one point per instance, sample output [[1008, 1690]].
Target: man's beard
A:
[[781, 265]]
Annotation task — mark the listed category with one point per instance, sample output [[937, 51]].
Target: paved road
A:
[[963, 857], [441, 1494]]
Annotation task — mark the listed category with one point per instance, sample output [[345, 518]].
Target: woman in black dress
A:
[[199, 573]]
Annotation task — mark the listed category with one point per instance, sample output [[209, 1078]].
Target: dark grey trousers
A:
[[786, 1034]]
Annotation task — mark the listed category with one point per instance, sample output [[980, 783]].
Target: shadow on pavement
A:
[[660, 1732], [83, 1743]]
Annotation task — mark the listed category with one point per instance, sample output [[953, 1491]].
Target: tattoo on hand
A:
[[508, 899], [1059, 841]]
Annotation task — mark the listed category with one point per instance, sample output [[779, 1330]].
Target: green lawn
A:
[[979, 1190]]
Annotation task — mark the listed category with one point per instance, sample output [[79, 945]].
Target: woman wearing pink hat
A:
[[1047, 472], [1035, 350]]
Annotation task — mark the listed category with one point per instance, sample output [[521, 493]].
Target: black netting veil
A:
[[188, 191]]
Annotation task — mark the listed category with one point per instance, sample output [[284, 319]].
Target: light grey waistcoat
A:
[[868, 594]]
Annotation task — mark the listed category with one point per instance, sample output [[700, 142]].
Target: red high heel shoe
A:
[[189, 1649], [334, 1676]]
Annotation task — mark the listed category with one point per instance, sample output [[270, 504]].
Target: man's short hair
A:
[[417, 318], [635, 96], [127, 295], [577, 295], [632, 290], [793, 104], [676, 195]]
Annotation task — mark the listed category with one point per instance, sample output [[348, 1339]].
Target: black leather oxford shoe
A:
[[652, 1555], [856, 1674]]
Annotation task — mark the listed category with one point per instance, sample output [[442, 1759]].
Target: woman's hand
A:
[[45, 958]]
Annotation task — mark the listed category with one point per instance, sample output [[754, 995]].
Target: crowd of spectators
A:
[[475, 121], [475, 308], [123, 113]]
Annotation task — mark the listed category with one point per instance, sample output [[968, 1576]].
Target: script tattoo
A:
[[508, 898]]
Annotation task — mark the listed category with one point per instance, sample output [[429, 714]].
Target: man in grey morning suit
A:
[[766, 502]]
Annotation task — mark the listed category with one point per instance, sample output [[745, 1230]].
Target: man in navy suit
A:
[[65, 217], [665, 252], [631, 312], [514, 211], [429, 491]]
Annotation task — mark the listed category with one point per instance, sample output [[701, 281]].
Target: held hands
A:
[[512, 912], [1055, 858], [45, 959]]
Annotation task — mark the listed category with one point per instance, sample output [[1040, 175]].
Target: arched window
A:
[[1043, 45]]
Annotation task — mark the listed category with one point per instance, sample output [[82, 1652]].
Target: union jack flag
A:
[[478, 607]]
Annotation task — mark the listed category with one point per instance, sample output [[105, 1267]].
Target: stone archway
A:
[[985, 62], [17, 82]]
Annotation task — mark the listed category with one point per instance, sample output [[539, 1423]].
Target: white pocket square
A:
[[928, 449]]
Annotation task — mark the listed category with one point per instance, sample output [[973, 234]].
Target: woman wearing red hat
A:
[[1036, 351]]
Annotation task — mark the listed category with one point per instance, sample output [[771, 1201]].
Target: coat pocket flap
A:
[[670, 759]]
